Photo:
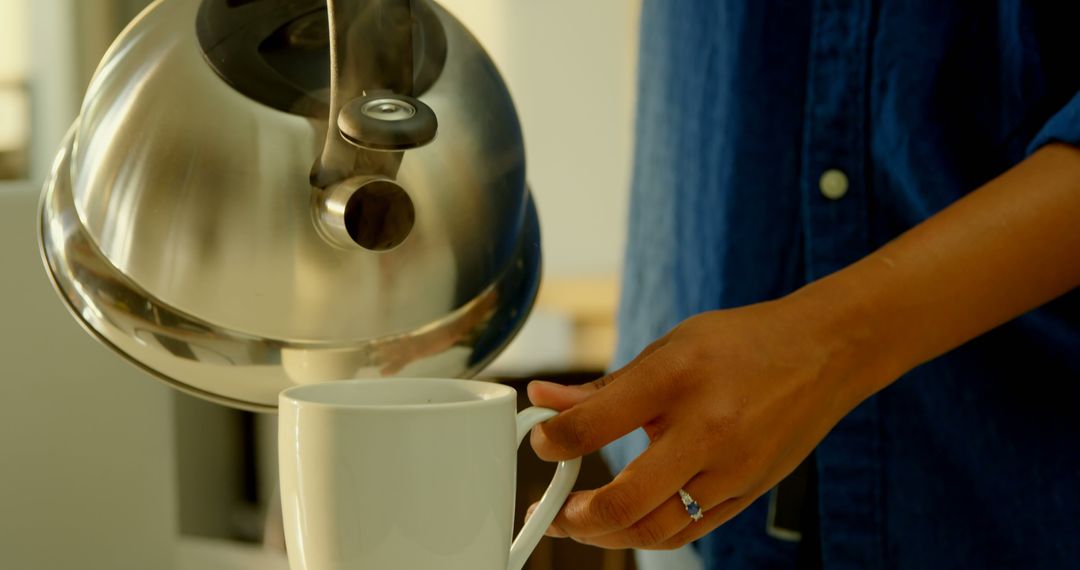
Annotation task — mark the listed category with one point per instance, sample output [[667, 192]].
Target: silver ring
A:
[[692, 507]]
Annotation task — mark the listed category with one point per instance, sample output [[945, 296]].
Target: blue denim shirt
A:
[[971, 460]]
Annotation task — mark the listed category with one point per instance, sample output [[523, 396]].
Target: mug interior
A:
[[398, 392]]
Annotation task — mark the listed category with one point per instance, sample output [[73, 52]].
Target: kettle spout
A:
[[371, 212]]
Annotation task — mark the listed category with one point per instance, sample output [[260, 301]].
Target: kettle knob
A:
[[386, 121]]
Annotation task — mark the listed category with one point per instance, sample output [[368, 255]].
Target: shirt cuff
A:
[[1063, 127]]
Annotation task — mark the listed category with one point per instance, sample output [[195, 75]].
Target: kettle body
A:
[[184, 226]]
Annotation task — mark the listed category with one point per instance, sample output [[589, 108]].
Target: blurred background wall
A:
[[87, 472], [103, 467]]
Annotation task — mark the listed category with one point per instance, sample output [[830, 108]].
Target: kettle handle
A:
[[355, 68], [371, 88]]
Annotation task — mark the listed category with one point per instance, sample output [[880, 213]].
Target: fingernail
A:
[[543, 386], [530, 511], [576, 391]]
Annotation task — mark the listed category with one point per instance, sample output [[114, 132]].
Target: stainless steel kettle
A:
[[263, 193]]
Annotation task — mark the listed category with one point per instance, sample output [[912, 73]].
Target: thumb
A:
[[557, 396]]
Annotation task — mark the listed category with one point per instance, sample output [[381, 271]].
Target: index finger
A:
[[638, 395]]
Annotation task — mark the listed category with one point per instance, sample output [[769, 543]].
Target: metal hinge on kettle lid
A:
[[254, 197]]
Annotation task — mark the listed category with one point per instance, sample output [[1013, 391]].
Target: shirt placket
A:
[[834, 207]]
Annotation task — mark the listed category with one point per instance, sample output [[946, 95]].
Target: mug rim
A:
[[496, 394]]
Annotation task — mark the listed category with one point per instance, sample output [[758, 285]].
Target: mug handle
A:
[[557, 492]]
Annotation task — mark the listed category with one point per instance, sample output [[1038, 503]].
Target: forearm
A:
[[1004, 249]]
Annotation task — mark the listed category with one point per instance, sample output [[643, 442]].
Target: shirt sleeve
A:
[[1063, 127]]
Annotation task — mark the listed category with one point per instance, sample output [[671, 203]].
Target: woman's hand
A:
[[732, 402]]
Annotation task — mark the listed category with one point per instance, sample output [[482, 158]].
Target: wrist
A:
[[848, 318]]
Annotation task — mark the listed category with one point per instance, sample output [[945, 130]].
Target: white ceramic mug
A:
[[408, 473]]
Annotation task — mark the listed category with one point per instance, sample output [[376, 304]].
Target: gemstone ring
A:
[[692, 507]]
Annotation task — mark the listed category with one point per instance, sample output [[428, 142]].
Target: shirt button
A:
[[833, 184]]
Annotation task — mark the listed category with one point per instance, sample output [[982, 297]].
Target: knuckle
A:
[[603, 381], [695, 352], [647, 532], [716, 427], [612, 509], [684, 368], [678, 541], [577, 434]]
